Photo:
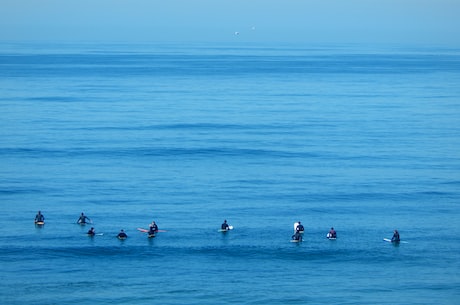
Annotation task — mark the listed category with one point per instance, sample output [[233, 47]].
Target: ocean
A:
[[364, 139]]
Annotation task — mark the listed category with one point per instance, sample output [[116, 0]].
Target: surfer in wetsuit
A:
[[39, 217], [395, 238], [299, 227], [91, 232], [153, 229], [122, 234], [332, 234], [225, 225], [297, 236], [82, 219]]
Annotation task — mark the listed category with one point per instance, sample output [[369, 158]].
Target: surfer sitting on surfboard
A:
[[395, 238], [332, 234], [297, 236], [299, 227], [39, 217], [153, 228], [91, 232], [122, 235], [82, 219], [224, 226]]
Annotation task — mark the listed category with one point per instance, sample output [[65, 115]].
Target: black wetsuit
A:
[[297, 236], [83, 219], [153, 229], [395, 238], [224, 226]]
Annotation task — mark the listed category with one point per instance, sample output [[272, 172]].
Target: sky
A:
[[277, 21]]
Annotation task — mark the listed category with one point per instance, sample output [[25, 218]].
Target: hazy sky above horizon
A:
[[304, 21]]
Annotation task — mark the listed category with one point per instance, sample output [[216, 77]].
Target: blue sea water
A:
[[364, 139]]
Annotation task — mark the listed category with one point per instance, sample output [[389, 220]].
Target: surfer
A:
[[332, 233], [297, 236], [91, 232], [153, 229], [299, 227], [82, 219], [224, 226], [122, 234], [39, 217], [395, 238]]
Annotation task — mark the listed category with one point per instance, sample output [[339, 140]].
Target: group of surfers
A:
[[299, 230], [153, 229], [83, 219]]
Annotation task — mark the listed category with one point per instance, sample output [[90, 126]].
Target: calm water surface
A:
[[363, 139]]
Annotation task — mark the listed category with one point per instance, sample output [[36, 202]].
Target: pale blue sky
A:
[[304, 21]]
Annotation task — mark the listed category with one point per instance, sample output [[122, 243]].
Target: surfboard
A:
[[295, 225], [396, 242], [225, 230], [97, 234], [329, 236], [40, 223], [295, 240], [121, 238], [145, 230]]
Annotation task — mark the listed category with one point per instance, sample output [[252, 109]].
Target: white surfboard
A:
[[225, 230], [389, 240], [329, 236], [296, 241]]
